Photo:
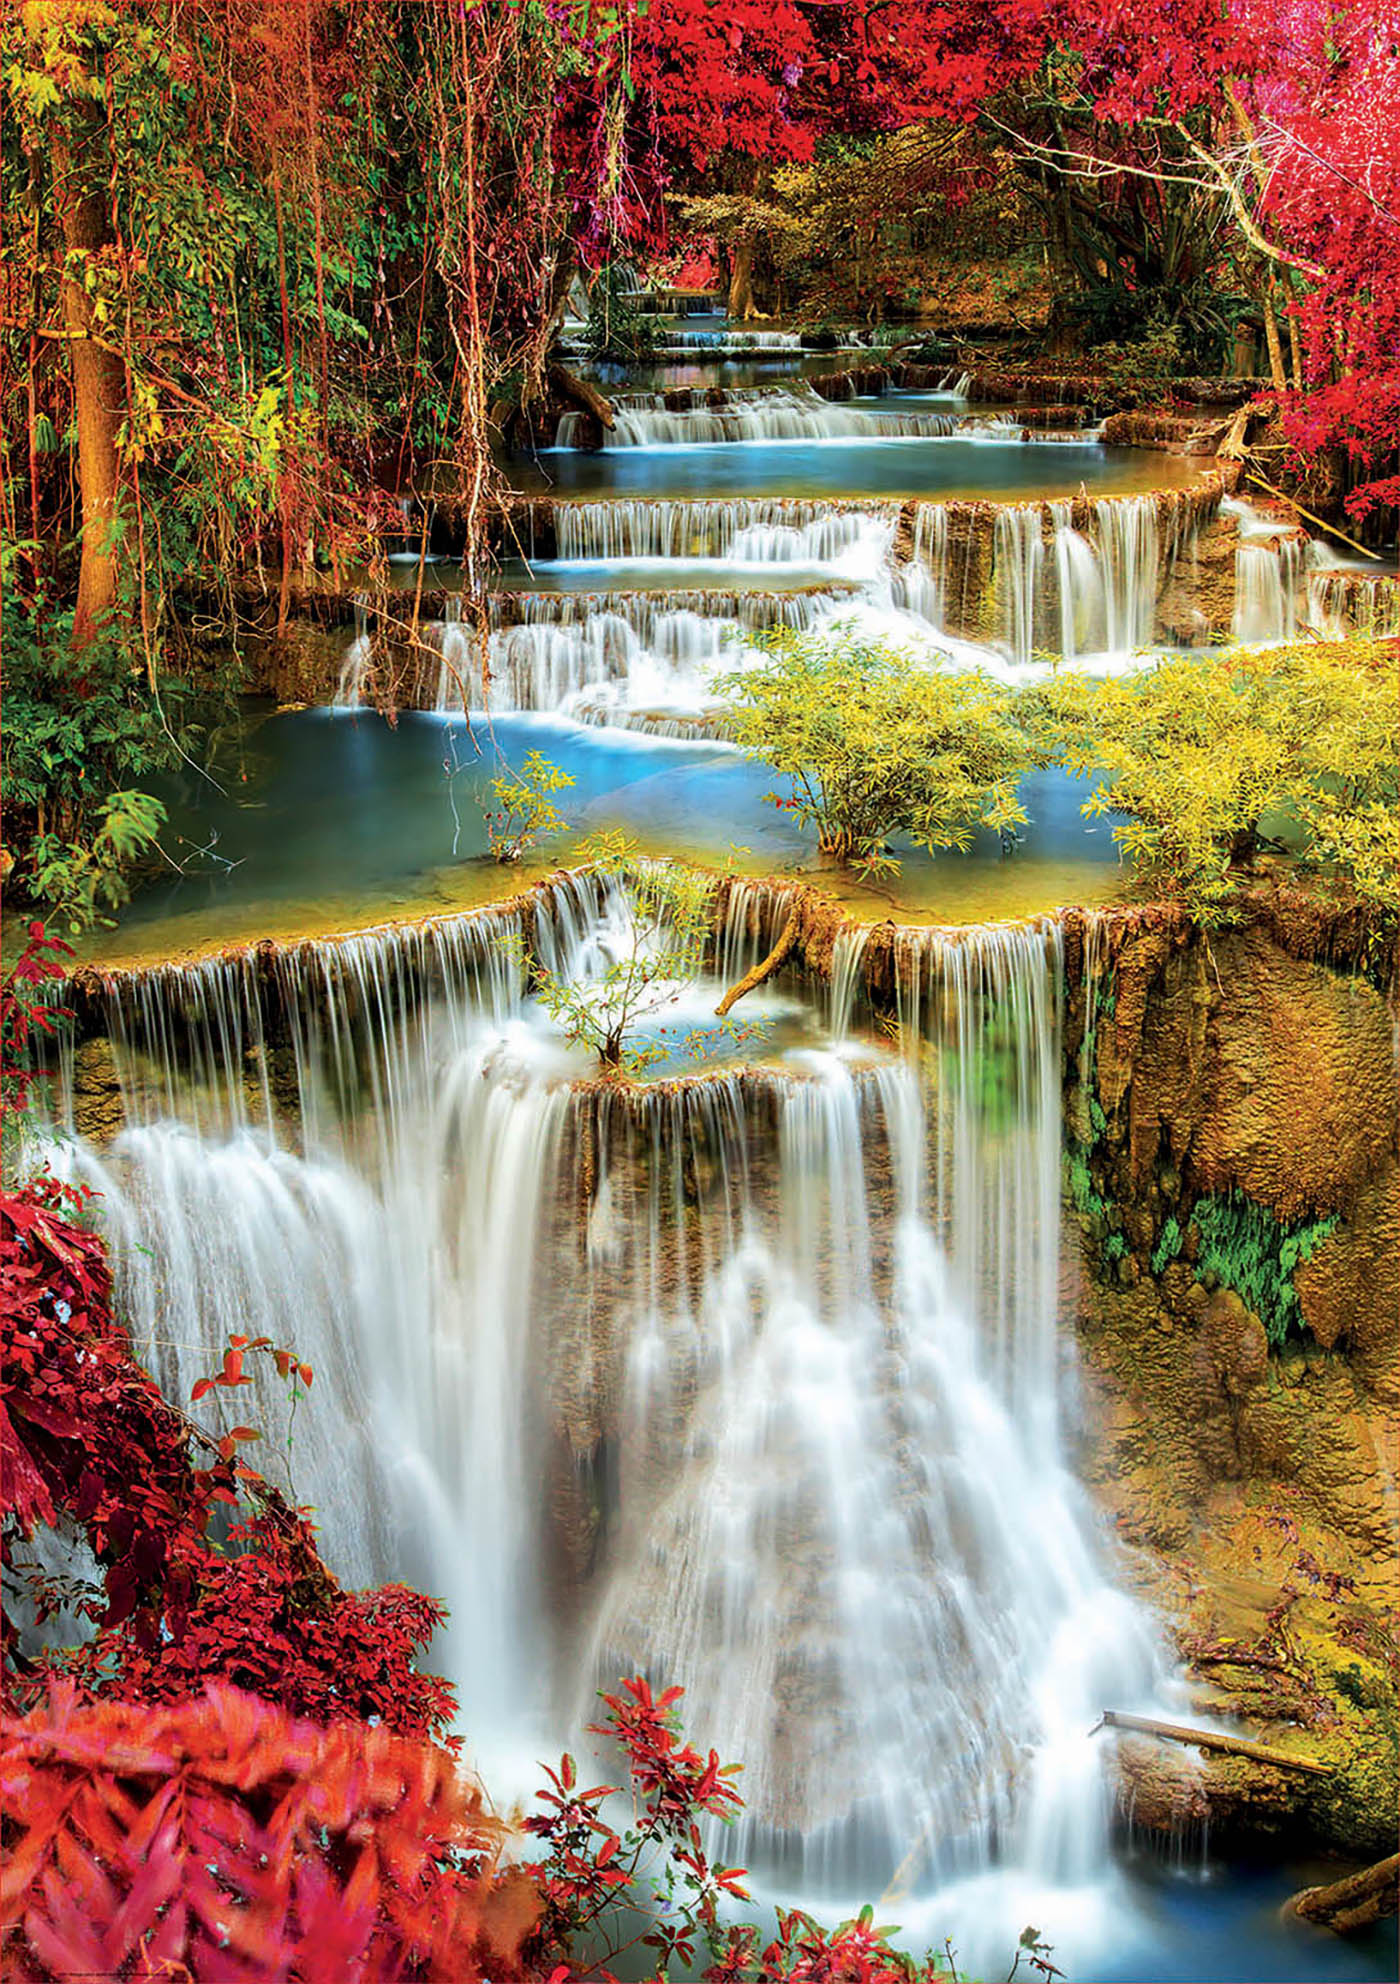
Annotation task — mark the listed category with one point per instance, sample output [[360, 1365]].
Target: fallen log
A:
[[1210, 1739], [569, 386], [1353, 1903], [768, 965]]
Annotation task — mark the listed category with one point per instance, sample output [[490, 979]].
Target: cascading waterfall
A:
[[1128, 561], [733, 340], [842, 1518], [604, 658], [643, 611], [788, 413], [350, 690], [1020, 554], [742, 531], [1344, 602], [1077, 582], [921, 584], [1268, 575]]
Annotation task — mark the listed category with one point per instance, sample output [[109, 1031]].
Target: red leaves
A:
[[224, 1836], [231, 1373]]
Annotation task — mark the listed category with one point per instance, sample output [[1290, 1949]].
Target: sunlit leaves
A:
[[878, 741]]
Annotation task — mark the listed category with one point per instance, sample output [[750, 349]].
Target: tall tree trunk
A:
[[740, 305], [99, 377]]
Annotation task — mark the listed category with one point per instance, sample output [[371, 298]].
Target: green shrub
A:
[[1245, 1248], [877, 742], [1168, 1244]]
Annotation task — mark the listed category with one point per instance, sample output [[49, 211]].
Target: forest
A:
[[701, 1204]]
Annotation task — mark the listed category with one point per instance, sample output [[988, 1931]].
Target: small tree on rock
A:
[[877, 742]]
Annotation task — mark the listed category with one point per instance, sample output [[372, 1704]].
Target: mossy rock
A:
[[1299, 1105], [1348, 1289]]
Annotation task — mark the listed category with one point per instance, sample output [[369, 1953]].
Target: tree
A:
[[1203, 756], [525, 810], [878, 742], [661, 952]]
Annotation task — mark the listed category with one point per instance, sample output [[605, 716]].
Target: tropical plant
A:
[[1198, 754], [525, 811], [878, 742], [75, 737], [617, 329], [663, 951]]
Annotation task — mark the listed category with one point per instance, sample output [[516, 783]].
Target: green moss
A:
[[1168, 1244], [1080, 1182], [1245, 1248], [1114, 1247]]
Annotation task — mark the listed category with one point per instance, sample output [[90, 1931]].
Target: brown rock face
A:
[[1300, 1108], [1255, 1487], [1347, 1289]]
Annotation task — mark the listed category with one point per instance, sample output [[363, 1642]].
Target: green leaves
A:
[[878, 742], [525, 810]]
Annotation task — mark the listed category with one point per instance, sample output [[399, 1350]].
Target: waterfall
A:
[[921, 584], [1078, 584], [787, 413], [744, 531], [844, 1521], [350, 690], [1267, 578], [600, 657], [807, 1311], [1019, 554], [644, 611], [733, 340], [1128, 562], [1342, 602]]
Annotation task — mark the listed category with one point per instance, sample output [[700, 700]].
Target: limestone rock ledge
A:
[[1249, 1471]]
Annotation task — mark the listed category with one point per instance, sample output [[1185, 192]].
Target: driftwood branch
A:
[[570, 387], [1354, 1903], [1294, 504], [768, 966], [1210, 1739]]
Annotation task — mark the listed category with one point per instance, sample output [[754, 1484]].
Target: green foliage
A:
[[1142, 367], [1168, 1244], [877, 743], [525, 811], [671, 927], [1080, 1182], [1245, 1248], [616, 328], [78, 879], [76, 734], [1200, 753]]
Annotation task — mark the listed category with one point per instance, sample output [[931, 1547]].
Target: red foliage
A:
[[206, 1570], [221, 1839], [161, 1822]]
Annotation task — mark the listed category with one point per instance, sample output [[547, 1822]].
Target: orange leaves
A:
[[231, 1373], [225, 1837]]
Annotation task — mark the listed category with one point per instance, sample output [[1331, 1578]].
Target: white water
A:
[[774, 414], [736, 530], [648, 660], [1342, 602], [812, 1310]]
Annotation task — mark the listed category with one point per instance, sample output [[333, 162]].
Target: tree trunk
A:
[[99, 377], [1353, 1903], [741, 304]]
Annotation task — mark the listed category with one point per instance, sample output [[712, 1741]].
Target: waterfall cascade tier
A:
[[766, 1359], [1342, 602], [1005, 587], [705, 418]]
